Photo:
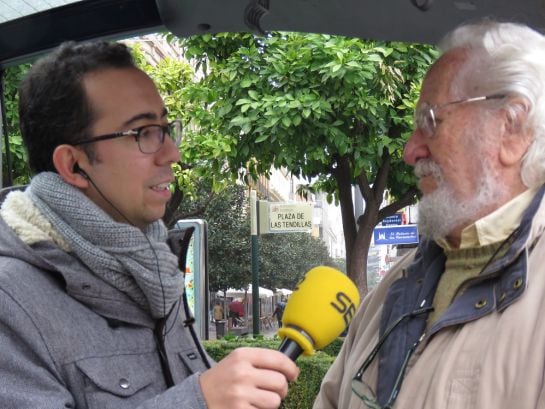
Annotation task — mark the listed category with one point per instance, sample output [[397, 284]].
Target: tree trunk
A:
[[172, 207], [342, 173], [358, 234]]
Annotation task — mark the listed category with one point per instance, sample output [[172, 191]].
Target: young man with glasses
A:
[[458, 323], [91, 311]]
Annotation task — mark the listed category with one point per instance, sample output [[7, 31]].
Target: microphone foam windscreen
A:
[[319, 309]]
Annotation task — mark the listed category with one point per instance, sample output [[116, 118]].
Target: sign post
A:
[[273, 217], [255, 262]]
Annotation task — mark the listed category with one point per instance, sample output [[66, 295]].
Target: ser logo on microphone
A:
[[345, 306]]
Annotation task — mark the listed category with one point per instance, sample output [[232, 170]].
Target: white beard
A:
[[440, 212]]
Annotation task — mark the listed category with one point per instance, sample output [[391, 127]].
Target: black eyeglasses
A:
[[364, 391], [150, 138], [425, 118]]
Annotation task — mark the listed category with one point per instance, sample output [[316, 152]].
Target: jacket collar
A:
[[501, 283]]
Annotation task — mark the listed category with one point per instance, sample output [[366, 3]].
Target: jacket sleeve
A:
[[541, 400], [187, 394], [28, 378]]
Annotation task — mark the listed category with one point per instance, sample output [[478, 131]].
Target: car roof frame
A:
[[35, 34]]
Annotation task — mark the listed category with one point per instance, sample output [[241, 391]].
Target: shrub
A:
[[301, 393], [334, 348]]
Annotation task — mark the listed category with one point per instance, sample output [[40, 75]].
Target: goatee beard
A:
[[441, 212]]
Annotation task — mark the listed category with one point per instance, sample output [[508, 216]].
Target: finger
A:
[[269, 359], [269, 380], [264, 399]]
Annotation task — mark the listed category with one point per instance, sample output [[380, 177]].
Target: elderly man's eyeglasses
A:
[[425, 115], [364, 391], [150, 138]]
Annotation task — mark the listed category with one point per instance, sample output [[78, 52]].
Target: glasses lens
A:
[[175, 131], [364, 392], [424, 120], [150, 138]]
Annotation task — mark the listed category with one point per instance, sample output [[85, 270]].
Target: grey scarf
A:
[[140, 264]]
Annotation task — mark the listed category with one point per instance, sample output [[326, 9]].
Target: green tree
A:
[[228, 239], [333, 110], [15, 170], [285, 258], [172, 77]]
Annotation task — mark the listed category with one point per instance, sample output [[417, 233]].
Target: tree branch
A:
[[176, 215], [407, 199], [363, 184], [382, 175]]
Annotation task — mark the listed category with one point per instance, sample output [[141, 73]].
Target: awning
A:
[[233, 292]]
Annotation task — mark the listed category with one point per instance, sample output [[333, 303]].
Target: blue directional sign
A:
[[404, 234], [393, 220]]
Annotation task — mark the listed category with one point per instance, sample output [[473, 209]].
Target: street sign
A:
[[275, 217], [393, 220], [405, 234]]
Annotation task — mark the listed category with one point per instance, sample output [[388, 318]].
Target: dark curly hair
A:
[[53, 107]]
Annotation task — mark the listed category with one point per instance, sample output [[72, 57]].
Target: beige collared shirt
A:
[[495, 226]]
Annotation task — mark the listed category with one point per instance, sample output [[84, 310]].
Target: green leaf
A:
[[239, 120], [245, 83], [261, 138], [242, 101], [301, 101]]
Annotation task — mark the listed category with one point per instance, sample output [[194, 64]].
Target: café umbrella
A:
[[235, 293]]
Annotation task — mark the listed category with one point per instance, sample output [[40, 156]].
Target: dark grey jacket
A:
[[68, 340]]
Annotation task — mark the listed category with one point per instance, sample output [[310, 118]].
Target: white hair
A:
[[508, 58]]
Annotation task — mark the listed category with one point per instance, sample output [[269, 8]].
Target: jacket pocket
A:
[[121, 381], [462, 391]]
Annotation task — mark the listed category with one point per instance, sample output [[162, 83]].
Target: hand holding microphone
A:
[[318, 311]]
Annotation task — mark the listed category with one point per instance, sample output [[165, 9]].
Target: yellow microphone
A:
[[318, 311]]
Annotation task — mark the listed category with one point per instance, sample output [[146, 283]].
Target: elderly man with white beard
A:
[[459, 322]]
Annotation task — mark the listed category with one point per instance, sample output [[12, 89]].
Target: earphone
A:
[[79, 170]]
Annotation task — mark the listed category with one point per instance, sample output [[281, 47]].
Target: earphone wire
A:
[[183, 297], [147, 239]]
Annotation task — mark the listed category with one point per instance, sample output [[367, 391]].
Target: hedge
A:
[[301, 393]]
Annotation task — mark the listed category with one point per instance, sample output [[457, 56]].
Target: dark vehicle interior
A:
[[28, 27]]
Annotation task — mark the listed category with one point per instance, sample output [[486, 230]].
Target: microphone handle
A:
[[290, 348]]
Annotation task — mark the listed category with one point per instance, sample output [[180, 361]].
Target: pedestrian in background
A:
[[218, 312], [279, 312]]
